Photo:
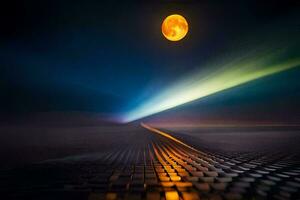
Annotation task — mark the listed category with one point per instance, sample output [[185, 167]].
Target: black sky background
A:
[[105, 56]]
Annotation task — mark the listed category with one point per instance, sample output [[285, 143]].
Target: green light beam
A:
[[237, 72]]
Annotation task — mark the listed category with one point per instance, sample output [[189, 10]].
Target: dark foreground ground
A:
[[108, 161]]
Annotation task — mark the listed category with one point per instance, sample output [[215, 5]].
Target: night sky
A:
[[107, 57]]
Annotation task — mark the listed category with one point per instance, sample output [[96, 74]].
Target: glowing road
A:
[[154, 164]]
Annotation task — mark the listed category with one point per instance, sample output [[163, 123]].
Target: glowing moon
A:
[[174, 27]]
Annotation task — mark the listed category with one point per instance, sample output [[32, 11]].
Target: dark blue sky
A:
[[105, 57]]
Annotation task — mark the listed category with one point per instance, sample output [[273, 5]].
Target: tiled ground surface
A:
[[157, 167]]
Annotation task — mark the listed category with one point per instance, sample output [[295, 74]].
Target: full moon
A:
[[174, 27]]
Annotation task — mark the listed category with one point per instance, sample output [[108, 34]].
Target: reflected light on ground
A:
[[173, 166], [172, 195]]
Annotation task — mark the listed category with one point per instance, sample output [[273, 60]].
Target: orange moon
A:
[[174, 27]]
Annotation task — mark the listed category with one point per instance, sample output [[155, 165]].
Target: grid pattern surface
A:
[[156, 167]]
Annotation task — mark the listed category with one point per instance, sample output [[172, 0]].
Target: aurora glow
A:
[[220, 77]]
